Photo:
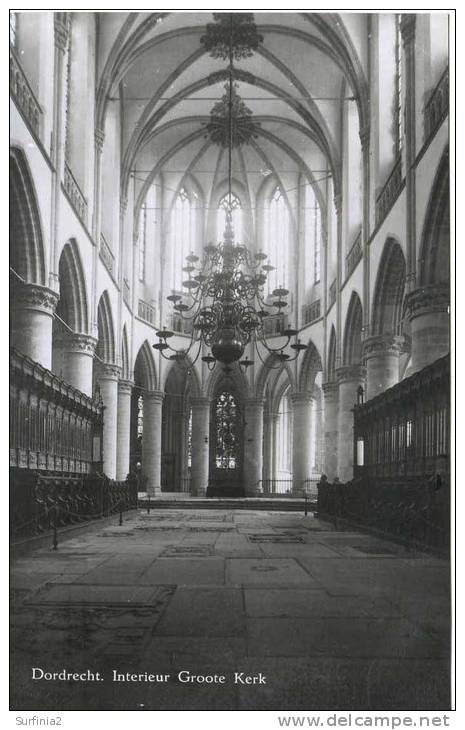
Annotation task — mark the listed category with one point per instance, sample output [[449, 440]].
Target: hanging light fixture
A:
[[225, 302]]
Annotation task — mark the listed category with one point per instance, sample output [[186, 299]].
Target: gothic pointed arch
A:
[[27, 255], [145, 372], [268, 374], [352, 347], [72, 306], [311, 365], [434, 260], [125, 370], [106, 332], [331, 365], [389, 290]]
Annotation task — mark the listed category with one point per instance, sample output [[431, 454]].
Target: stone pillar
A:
[[408, 32], [76, 356], [108, 382], [267, 445], [428, 309], [253, 445], [32, 307], [123, 429], [275, 445], [301, 425], [151, 440], [331, 404], [350, 378], [381, 354], [200, 445]]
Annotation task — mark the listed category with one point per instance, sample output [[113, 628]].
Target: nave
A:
[[334, 619]]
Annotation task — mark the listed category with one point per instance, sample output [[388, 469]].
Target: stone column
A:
[[350, 378], [151, 440], [123, 429], [301, 425], [76, 359], [381, 354], [200, 445], [274, 448], [331, 405], [108, 381], [407, 29], [32, 307], [267, 445], [428, 309], [253, 445]]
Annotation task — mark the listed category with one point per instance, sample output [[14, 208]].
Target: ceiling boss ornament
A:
[[225, 301]]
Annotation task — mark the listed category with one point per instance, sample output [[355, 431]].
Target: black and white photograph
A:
[[230, 482]]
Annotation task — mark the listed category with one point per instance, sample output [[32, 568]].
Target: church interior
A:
[[230, 358]]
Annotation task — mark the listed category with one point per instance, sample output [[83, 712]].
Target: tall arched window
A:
[[142, 240], [312, 231], [276, 244], [236, 207], [227, 435], [182, 237]]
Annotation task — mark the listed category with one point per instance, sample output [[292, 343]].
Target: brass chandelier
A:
[[225, 302]]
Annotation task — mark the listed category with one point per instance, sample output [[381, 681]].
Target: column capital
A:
[[109, 371], [125, 386], [330, 388], [154, 395], [428, 300], [350, 373], [386, 344], [79, 342], [200, 402], [34, 296], [301, 398]]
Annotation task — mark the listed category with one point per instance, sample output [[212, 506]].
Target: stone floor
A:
[[332, 620]]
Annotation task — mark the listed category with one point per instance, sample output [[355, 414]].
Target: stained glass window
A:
[[227, 437], [236, 207], [312, 228]]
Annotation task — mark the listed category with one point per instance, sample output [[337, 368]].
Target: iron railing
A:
[[437, 106], [274, 325], [332, 294], [107, 255], [146, 312], [311, 312], [355, 254], [75, 195], [180, 325], [24, 95], [389, 193], [126, 292]]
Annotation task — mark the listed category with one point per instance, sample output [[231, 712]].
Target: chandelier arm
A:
[[271, 367]]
